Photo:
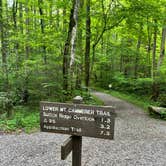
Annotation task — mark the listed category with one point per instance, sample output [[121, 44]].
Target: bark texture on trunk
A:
[[42, 25], [74, 33], [66, 51], [4, 44], [87, 49], [138, 51], [162, 47], [154, 50]]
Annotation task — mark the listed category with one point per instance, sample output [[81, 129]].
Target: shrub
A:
[[163, 114], [162, 100], [6, 104], [143, 86]]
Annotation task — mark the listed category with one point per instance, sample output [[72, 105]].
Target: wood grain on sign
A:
[[77, 119]]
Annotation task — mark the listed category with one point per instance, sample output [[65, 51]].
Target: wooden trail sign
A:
[[77, 119]]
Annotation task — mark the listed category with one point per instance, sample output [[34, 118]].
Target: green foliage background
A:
[[121, 53]]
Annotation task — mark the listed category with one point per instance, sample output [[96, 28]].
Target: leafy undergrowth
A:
[[26, 118], [163, 115], [157, 116]]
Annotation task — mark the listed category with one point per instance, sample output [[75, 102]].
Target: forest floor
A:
[[139, 141]]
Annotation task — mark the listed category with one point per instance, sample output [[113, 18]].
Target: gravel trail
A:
[[139, 141]]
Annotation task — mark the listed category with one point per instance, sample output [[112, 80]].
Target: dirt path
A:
[[139, 141], [132, 122]]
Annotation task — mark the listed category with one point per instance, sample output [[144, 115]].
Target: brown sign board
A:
[[77, 119]]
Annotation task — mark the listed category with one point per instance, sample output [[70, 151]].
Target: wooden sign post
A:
[[77, 141], [77, 120], [66, 148], [77, 150]]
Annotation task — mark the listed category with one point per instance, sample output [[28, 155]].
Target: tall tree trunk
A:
[[4, 49], [25, 92], [50, 13], [138, 52], [74, 33], [154, 50], [16, 45], [155, 86], [87, 49], [66, 51], [27, 49], [121, 63], [73, 42], [149, 49], [14, 12], [3, 38], [162, 47], [42, 26], [20, 31], [79, 64], [21, 17]]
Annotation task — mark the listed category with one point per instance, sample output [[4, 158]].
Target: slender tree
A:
[[66, 51], [137, 58], [42, 26], [154, 49], [162, 46], [3, 36], [88, 40]]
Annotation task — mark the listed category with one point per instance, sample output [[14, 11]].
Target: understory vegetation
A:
[[26, 117]]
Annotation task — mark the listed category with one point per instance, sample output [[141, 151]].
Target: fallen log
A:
[[157, 110]]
